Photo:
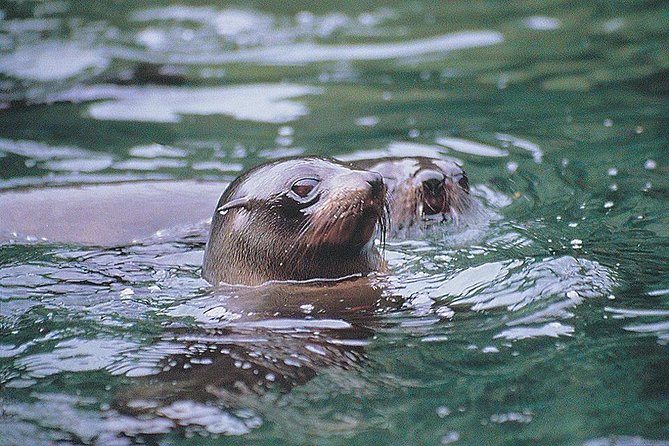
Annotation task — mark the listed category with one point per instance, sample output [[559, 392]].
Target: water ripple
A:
[[303, 53], [262, 103]]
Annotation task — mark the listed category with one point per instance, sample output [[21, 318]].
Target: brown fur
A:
[[410, 206], [262, 234]]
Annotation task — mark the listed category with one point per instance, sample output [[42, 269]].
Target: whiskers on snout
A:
[[346, 222]]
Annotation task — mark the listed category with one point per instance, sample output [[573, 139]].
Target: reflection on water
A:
[[263, 103], [541, 318]]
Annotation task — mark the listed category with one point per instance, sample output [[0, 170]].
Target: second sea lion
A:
[[421, 190]]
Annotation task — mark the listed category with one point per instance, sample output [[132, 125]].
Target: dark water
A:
[[546, 321]]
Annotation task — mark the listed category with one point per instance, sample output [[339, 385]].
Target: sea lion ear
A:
[[236, 203]]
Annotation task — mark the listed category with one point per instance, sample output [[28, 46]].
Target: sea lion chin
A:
[[296, 219], [422, 190]]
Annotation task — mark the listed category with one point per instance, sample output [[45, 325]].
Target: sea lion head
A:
[[296, 219], [424, 190]]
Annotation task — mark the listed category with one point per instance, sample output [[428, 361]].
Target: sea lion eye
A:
[[304, 186], [463, 182]]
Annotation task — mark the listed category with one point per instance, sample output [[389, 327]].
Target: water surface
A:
[[544, 321]]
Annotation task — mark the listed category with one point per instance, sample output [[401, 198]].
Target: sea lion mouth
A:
[[441, 196], [435, 197]]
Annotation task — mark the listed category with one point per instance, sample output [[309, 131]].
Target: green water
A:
[[546, 322]]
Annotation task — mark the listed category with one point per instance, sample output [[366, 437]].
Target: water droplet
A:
[[367, 121], [443, 411], [445, 312], [503, 81], [450, 437], [284, 141]]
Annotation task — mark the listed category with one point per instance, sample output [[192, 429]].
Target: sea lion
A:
[[296, 219], [421, 190]]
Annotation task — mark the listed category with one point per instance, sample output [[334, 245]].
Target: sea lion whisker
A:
[[455, 216], [444, 199], [383, 222]]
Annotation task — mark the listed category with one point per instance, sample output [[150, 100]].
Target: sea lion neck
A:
[[296, 219]]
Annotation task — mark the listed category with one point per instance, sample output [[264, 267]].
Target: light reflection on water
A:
[[540, 318]]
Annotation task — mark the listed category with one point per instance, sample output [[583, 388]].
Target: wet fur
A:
[[407, 207], [260, 242]]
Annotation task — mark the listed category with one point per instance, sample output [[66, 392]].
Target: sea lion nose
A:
[[432, 180], [434, 193], [432, 185]]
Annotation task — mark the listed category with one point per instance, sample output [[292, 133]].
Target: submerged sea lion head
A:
[[296, 219], [424, 189]]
